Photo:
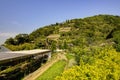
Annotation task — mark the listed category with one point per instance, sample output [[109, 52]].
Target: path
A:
[[43, 68]]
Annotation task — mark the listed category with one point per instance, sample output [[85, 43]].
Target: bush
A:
[[105, 66]]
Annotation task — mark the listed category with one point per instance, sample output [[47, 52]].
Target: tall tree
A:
[[10, 41], [21, 38]]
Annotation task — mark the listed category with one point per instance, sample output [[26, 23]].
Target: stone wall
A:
[[15, 70]]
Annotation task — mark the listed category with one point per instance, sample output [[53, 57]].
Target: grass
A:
[[71, 60], [55, 70], [70, 56]]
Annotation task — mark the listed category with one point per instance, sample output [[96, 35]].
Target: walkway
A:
[[42, 69]]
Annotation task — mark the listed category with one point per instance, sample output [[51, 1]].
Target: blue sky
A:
[[24, 16]]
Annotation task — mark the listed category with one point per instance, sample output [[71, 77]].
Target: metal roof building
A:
[[15, 55]]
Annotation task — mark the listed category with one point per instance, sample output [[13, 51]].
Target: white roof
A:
[[16, 54], [29, 51]]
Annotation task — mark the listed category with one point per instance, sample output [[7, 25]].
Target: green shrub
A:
[[105, 66]]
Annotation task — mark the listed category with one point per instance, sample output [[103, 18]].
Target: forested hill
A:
[[97, 30]]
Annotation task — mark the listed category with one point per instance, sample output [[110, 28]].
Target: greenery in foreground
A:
[[102, 64], [55, 70]]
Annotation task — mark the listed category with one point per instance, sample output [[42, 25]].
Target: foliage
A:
[[69, 56], [25, 46], [9, 41], [75, 32], [88, 39], [105, 66], [116, 37], [19, 39]]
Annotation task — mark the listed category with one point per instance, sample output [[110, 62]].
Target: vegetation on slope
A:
[[76, 32], [93, 41]]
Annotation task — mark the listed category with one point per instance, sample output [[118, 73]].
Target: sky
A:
[[25, 16]]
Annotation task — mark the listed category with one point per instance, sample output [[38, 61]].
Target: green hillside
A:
[[94, 42], [90, 31]]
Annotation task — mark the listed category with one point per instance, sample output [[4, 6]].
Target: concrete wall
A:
[[18, 68]]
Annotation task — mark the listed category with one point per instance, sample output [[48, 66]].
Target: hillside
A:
[[90, 31], [92, 42]]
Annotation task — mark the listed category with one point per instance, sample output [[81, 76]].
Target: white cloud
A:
[[7, 34]]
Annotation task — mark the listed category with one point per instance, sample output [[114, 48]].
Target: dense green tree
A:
[[116, 38], [21, 38], [10, 41]]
